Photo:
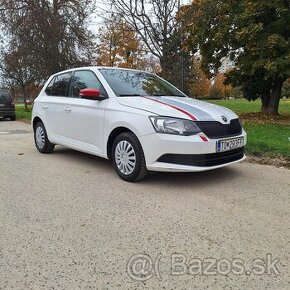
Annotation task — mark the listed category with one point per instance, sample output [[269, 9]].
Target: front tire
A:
[[40, 138], [128, 157]]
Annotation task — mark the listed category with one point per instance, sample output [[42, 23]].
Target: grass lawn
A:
[[268, 139], [264, 138], [21, 113], [244, 106]]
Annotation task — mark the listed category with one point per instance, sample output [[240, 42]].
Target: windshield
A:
[[126, 83]]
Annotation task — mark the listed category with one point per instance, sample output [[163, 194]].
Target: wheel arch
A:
[[116, 132], [36, 119]]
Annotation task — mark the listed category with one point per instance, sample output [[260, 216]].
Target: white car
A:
[[137, 120]]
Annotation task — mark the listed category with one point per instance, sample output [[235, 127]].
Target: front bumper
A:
[[164, 152]]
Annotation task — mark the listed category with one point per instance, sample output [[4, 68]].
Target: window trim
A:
[[67, 86], [102, 88]]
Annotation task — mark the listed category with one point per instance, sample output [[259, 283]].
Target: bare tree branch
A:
[[54, 32], [153, 20]]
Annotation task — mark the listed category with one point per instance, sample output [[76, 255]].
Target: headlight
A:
[[174, 126]]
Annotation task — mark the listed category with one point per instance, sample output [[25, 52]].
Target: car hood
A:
[[178, 107]]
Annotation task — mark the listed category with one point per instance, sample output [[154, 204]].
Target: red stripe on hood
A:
[[192, 117], [203, 138]]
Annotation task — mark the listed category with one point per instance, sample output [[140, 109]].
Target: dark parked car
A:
[[7, 106]]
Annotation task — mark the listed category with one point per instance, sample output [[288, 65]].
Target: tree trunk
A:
[[265, 101], [24, 98], [274, 101], [165, 67]]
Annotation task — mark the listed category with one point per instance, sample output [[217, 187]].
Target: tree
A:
[[53, 33], [18, 70], [155, 23], [254, 34], [151, 64], [200, 84], [253, 86], [286, 89], [119, 45], [219, 89]]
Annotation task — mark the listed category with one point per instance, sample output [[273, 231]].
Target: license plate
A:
[[230, 144]]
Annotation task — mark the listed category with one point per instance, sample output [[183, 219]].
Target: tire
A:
[[40, 138], [128, 157], [13, 118]]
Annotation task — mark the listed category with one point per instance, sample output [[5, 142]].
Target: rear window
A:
[[4, 97]]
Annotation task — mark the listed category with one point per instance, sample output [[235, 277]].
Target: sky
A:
[[103, 11]]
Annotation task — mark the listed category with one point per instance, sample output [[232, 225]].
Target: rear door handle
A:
[[67, 109]]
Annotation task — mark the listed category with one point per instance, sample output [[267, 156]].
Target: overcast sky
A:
[[103, 12]]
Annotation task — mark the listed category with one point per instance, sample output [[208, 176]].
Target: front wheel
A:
[[41, 141], [128, 157]]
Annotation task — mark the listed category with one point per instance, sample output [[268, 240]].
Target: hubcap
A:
[[39, 137], [125, 157]]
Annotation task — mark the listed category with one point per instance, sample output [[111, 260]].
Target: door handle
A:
[[44, 107], [67, 109]]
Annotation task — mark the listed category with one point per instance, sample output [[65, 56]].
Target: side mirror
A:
[[91, 94]]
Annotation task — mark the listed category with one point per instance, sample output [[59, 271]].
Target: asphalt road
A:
[[68, 222]]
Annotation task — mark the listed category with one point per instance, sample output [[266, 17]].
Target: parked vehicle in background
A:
[[7, 106], [137, 120]]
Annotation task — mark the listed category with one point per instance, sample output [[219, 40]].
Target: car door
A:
[[53, 104], [84, 118]]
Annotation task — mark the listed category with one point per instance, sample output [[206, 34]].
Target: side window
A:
[[49, 88], [83, 80], [58, 85]]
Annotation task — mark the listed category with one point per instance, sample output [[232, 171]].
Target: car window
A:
[[58, 85], [136, 83], [49, 88], [4, 97], [82, 80]]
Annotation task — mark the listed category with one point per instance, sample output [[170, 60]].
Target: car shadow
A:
[[205, 178], [90, 160]]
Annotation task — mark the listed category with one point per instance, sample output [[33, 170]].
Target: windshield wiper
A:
[[130, 95], [164, 95], [176, 96]]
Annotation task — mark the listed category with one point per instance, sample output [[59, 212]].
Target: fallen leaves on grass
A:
[[262, 118]]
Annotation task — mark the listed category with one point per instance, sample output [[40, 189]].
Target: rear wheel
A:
[[128, 157], [13, 118], [41, 141]]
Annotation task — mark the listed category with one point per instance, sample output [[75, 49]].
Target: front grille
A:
[[203, 160], [215, 130]]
